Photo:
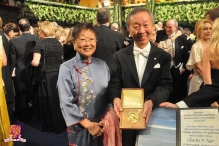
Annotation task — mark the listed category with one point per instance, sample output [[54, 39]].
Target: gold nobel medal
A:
[[132, 102], [133, 117]]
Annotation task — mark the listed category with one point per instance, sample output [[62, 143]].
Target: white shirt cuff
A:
[[182, 104]]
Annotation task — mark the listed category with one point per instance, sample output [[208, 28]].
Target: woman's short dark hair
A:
[[82, 26], [10, 26]]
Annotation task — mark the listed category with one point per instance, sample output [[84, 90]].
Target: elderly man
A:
[[140, 65], [180, 57]]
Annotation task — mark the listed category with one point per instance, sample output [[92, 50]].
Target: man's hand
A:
[[147, 110], [117, 106], [169, 105], [215, 104], [190, 77]]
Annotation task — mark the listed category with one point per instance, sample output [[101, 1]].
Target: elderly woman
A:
[[82, 86], [47, 59]]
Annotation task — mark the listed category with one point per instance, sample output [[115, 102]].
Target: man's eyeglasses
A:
[[86, 40]]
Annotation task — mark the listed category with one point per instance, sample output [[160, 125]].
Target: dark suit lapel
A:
[[165, 37], [151, 62], [130, 62], [176, 48]]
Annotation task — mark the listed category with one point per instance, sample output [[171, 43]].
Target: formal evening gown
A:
[[48, 99], [4, 118], [206, 94], [195, 56]]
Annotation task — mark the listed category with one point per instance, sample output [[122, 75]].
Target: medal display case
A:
[[132, 115]]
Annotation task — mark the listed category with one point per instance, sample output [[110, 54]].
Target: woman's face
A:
[[12, 34], [206, 31], [41, 34], [85, 44]]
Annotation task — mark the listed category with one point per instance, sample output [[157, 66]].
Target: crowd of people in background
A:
[[72, 77]]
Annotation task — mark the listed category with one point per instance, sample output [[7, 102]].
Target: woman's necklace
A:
[[205, 44]]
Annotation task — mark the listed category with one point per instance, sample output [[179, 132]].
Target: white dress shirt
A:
[[141, 61]]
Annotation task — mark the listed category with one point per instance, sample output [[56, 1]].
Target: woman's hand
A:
[[169, 105], [95, 130], [92, 127], [36, 59]]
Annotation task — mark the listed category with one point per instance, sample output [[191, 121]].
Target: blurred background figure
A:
[[11, 30], [115, 27], [190, 42], [61, 36], [203, 33], [21, 54], [4, 119], [6, 75], [47, 58], [160, 25], [68, 48]]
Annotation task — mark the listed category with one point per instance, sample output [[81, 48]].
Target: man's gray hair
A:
[[115, 26], [175, 22], [137, 10]]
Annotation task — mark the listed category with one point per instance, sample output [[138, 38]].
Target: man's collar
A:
[[147, 47], [172, 35]]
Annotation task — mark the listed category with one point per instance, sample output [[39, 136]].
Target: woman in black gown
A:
[[209, 93], [47, 59]]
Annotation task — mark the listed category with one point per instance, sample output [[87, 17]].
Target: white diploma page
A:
[[198, 127]]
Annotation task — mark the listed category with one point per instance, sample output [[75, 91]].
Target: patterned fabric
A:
[[82, 90], [167, 46], [46, 47], [112, 133]]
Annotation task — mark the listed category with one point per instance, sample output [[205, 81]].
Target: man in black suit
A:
[[21, 55], [140, 65], [108, 41], [179, 60], [187, 32]]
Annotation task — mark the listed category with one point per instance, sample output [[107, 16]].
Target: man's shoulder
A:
[[26, 36], [107, 31], [161, 32], [182, 37], [125, 50], [160, 51]]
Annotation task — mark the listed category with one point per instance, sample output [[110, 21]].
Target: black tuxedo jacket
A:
[[181, 47], [108, 43], [21, 51], [156, 82], [6, 73]]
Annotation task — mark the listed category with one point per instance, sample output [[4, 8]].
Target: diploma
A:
[[198, 127]]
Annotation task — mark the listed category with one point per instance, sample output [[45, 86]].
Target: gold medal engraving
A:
[[133, 117]]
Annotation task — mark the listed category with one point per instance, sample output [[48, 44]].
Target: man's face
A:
[[170, 28], [141, 28]]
